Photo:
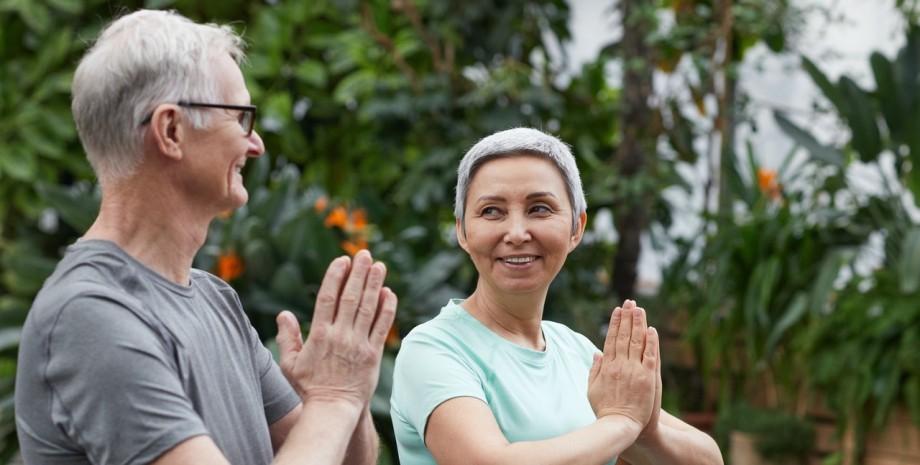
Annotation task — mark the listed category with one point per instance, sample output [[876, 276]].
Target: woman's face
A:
[[518, 223]]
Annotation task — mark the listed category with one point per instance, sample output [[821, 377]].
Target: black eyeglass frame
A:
[[250, 109]]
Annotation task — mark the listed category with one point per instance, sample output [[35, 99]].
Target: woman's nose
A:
[[518, 230]]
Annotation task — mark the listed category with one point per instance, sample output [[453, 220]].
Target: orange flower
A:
[[766, 180], [229, 266], [393, 339], [353, 247], [337, 218], [359, 219], [321, 203], [225, 214]]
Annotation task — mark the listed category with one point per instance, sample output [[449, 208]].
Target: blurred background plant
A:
[[367, 106]]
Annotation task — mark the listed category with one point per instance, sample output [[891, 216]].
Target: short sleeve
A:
[[116, 388], [278, 396], [429, 372]]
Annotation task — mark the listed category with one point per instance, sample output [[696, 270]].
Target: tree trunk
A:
[[635, 156], [726, 118]]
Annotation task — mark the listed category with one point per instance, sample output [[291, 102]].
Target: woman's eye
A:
[[489, 211], [541, 209]]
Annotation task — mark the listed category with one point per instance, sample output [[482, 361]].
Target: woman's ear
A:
[[579, 231], [461, 234], [167, 127]]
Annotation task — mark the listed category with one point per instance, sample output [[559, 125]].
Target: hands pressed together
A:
[[626, 379], [340, 360]]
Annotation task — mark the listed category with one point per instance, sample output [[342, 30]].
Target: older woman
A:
[[488, 381]]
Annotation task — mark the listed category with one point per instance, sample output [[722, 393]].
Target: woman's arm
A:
[[621, 390], [669, 440], [463, 431], [674, 442]]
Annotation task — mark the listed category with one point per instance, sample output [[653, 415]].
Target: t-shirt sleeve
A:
[[278, 396], [429, 372], [116, 388]]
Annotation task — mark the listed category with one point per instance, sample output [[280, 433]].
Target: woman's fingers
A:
[[595, 367], [612, 330], [650, 358], [637, 335], [625, 330]]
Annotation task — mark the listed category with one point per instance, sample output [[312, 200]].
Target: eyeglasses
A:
[[247, 118]]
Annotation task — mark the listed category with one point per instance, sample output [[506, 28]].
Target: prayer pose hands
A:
[[623, 379], [340, 360]]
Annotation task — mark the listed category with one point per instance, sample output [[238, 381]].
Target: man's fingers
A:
[[289, 339], [351, 294], [384, 320], [328, 297], [625, 330], [637, 336], [371, 298], [650, 358], [610, 341]]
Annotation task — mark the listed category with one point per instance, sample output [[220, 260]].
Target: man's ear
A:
[[168, 128], [461, 235], [579, 231]]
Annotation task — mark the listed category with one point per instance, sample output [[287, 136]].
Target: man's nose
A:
[[256, 146]]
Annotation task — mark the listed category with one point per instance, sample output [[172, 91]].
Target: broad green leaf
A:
[[824, 84], [36, 15], [793, 314], [311, 72], [888, 94], [909, 262], [818, 151], [18, 163], [39, 143], [287, 281], [67, 6], [861, 116], [824, 282], [356, 85]]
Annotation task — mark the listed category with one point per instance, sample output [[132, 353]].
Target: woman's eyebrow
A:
[[490, 198], [534, 195]]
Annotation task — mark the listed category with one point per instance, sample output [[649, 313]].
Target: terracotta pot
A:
[[744, 450]]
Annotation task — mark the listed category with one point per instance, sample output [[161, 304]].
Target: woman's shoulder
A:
[[450, 322], [568, 337]]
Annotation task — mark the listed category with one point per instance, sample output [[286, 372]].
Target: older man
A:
[[130, 356]]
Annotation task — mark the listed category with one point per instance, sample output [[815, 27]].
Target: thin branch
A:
[[367, 22], [408, 7]]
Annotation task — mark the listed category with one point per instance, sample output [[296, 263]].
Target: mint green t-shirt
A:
[[533, 395]]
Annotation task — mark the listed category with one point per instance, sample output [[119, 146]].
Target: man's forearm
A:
[[675, 446], [364, 447], [322, 434]]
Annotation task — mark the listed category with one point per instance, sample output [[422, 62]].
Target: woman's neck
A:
[[516, 318]]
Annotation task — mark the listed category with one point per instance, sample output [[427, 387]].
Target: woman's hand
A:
[[623, 380]]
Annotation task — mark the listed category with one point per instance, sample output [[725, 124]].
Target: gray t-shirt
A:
[[117, 365]]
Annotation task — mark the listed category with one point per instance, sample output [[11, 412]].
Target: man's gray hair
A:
[[142, 60], [521, 141]]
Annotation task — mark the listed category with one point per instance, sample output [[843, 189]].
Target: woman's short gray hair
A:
[[142, 60], [523, 141]]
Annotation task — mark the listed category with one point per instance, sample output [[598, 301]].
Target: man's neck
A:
[[152, 225]]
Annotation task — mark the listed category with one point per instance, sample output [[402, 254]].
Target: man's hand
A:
[[622, 380], [340, 360]]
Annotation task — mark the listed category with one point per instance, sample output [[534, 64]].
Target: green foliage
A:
[[778, 436], [762, 275], [865, 353]]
